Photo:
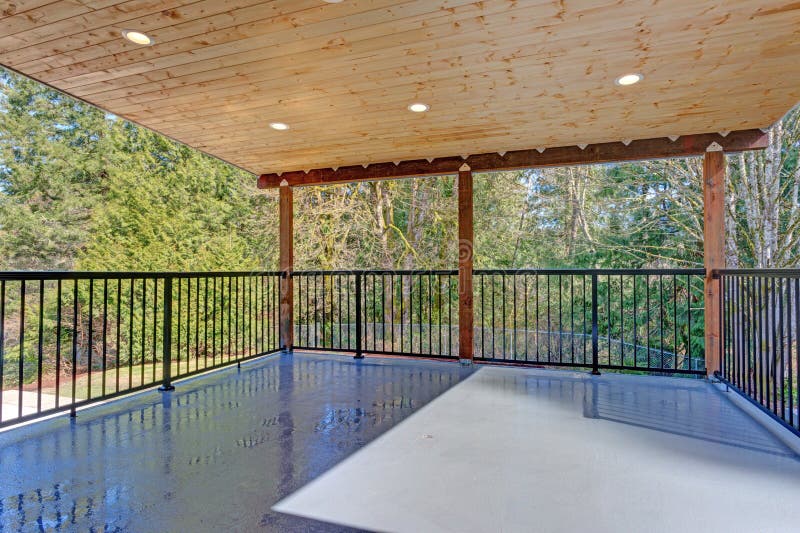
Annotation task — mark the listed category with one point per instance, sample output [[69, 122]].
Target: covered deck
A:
[[309, 93], [488, 448]]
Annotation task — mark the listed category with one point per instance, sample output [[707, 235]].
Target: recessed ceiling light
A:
[[418, 108], [280, 126], [629, 79], [333, 1], [137, 37]]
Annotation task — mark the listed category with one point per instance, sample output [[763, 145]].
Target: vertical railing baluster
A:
[[797, 343], [493, 321], [205, 322], [179, 314], [143, 331], [572, 318], [75, 312], [2, 342], [748, 313], [781, 339], [441, 311], [608, 319], [635, 326], [105, 336], [483, 317], [322, 323], [196, 326], [236, 303], [430, 316], [118, 334], [89, 340], [560, 319], [307, 282], [228, 303], [450, 316], [525, 311], [419, 312], [503, 318], [391, 306], [757, 347], [661, 317], [772, 353], [58, 344], [584, 321], [741, 323], [167, 336], [214, 321], [549, 321], [359, 323], [40, 354], [688, 323], [340, 344], [621, 321], [674, 322], [647, 311], [130, 335], [595, 331], [724, 307], [537, 336], [155, 327]]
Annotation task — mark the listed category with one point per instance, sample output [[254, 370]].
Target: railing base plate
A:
[[166, 388]]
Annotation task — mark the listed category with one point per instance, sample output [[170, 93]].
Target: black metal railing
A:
[[70, 339], [648, 320], [639, 320], [759, 345], [400, 312]]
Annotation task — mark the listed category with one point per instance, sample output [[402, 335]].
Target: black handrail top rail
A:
[[765, 272], [372, 271], [599, 271], [510, 271], [47, 275], [20, 275]]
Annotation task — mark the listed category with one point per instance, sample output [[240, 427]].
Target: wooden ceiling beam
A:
[[644, 149]]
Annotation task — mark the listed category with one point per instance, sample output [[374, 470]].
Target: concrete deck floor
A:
[[494, 449], [513, 449]]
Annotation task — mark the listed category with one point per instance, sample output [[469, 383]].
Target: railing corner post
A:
[[595, 333], [166, 359], [359, 323]]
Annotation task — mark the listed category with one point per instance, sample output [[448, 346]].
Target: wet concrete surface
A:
[[214, 455]]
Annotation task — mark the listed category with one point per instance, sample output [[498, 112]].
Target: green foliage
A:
[[168, 207], [83, 190], [52, 169]]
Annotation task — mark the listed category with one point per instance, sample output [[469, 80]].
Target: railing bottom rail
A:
[[780, 420]]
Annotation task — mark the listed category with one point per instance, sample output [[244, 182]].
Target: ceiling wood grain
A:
[[499, 75]]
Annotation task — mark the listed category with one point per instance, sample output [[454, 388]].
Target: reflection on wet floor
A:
[[215, 454], [680, 407]]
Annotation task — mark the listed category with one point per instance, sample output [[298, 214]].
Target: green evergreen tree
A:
[[53, 167]]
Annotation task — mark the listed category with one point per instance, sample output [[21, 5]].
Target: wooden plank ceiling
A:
[[498, 75]]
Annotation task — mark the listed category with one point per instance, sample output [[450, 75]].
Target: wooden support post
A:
[[286, 267], [465, 255], [713, 249]]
